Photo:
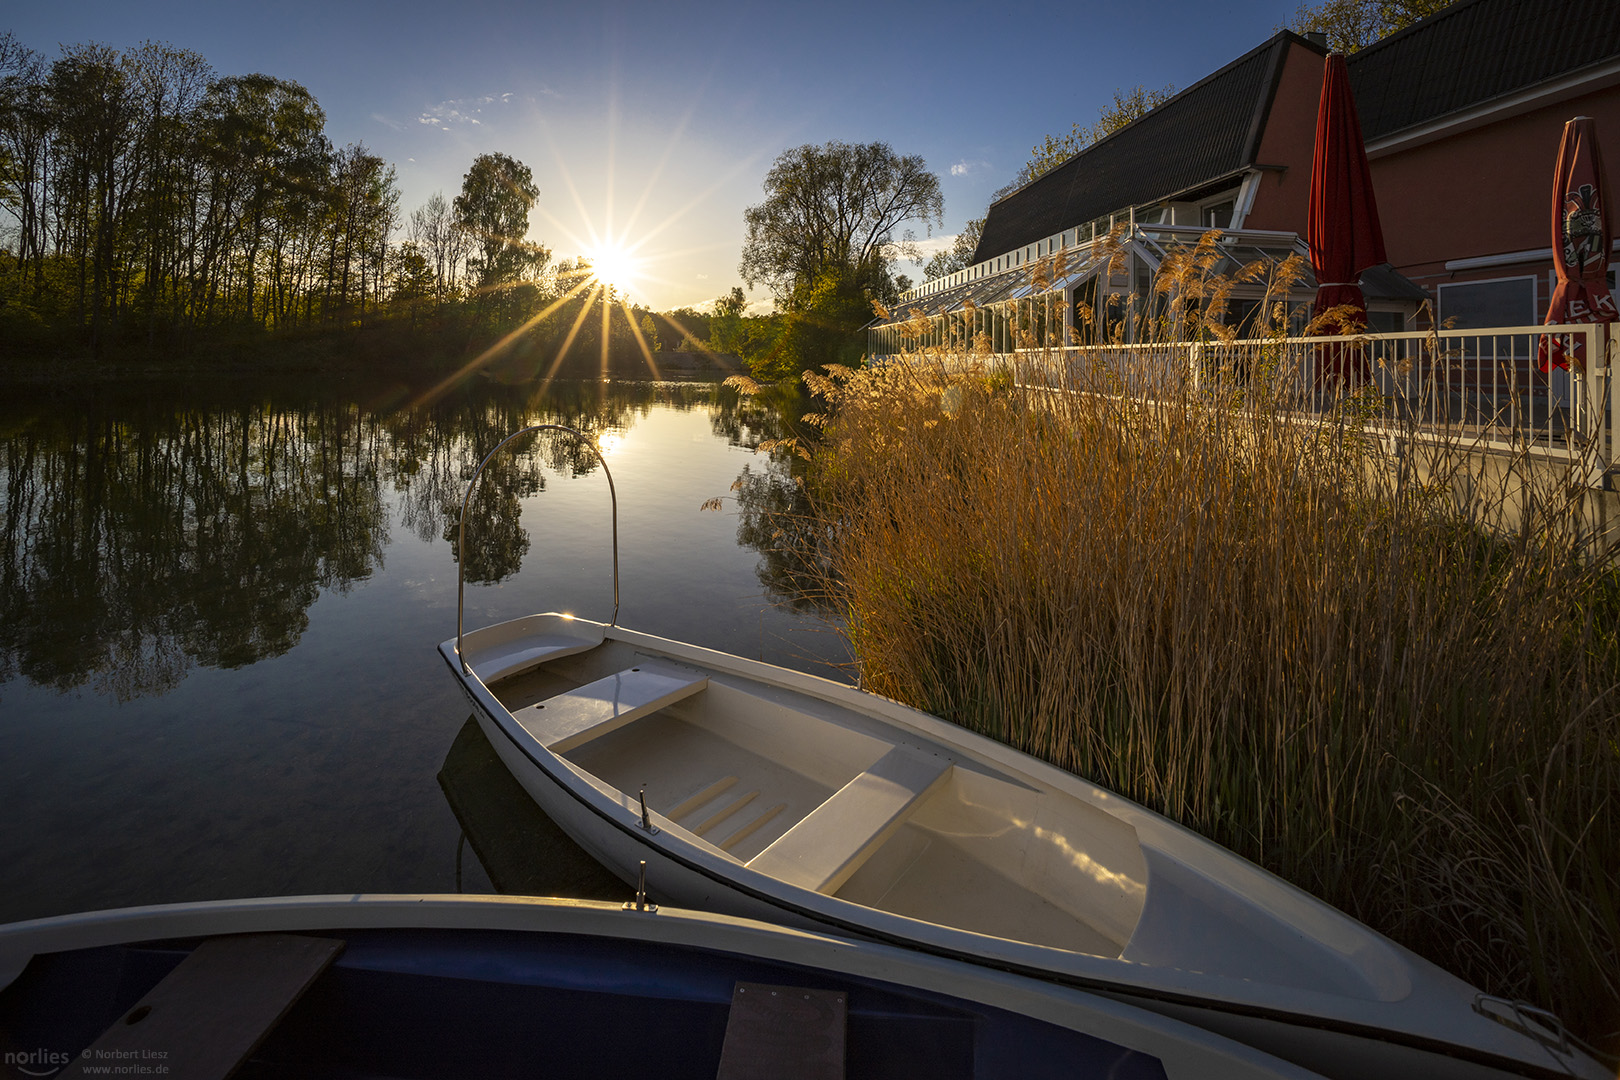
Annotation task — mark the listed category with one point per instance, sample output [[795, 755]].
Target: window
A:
[[1218, 216], [1473, 305], [1243, 315], [1385, 322]]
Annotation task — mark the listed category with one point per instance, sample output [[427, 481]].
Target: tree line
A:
[[150, 202], [146, 200], [150, 197]]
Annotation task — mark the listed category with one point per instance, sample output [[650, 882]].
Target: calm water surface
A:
[[220, 607]]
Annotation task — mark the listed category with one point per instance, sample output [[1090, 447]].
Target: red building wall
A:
[[1283, 200], [1487, 191]]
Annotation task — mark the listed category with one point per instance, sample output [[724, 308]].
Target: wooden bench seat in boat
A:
[[587, 712], [831, 843], [211, 1012]]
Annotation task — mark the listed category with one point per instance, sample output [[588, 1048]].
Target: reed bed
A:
[[1375, 678]]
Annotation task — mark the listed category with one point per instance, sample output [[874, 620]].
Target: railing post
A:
[[1589, 404], [1609, 425], [1595, 402]]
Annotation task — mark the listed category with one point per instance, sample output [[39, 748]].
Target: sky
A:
[[650, 126]]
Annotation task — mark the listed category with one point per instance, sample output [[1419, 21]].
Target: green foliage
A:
[[753, 338], [688, 327], [152, 201], [1354, 24], [732, 305], [1054, 150], [834, 208], [959, 256], [493, 208], [649, 332], [823, 241], [734, 332]]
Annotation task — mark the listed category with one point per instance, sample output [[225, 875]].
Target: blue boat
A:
[[453, 986]]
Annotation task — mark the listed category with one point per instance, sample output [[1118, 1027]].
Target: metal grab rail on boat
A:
[[466, 503]]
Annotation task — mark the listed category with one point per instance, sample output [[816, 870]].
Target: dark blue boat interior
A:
[[489, 1004]]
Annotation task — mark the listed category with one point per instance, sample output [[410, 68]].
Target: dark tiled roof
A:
[[1209, 130], [1475, 51]]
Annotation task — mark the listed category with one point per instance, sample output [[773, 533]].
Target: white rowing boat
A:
[[759, 791]]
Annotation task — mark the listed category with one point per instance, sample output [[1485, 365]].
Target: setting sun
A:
[[614, 265]]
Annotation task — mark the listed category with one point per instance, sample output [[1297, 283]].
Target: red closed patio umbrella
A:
[[1343, 232], [1582, 234]]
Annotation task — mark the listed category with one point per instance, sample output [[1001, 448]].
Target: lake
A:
[[221, 603]]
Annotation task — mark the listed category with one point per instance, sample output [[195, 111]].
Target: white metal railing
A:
[[1484, 385]]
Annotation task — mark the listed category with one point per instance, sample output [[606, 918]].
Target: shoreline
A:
[[297, 360]]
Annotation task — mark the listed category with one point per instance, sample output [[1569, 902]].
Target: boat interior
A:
[[831, 799], [841, 802]]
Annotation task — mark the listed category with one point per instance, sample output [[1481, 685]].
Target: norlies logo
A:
[[36, 1062]]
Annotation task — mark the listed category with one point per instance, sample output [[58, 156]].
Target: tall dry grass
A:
[[1388, 682]]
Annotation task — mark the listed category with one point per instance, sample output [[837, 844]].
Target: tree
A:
[[493, 209], [267, 174], [834, 209], [170, 84], [649, 333], [733, 331], [366, 202], [732, 305], [1053, 150], [25, 133], [442, 242], [1354, 24], [99, 167], [959, 256], [411, 277]]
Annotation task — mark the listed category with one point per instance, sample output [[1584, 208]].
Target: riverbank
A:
[[392, 349]]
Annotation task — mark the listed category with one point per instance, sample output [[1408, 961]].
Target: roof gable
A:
[[1208, 131]]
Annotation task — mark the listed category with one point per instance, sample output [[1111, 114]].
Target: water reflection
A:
[[775, 515], [138, 544], [776, 519], [156, 528], [519, 849]]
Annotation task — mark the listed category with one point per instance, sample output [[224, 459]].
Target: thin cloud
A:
[[758, 306], [921, 250], [446, 114], [963, 167], [388, 122]]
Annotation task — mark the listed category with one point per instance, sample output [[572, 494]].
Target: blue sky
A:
[[651, 125]]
